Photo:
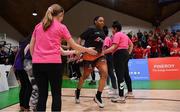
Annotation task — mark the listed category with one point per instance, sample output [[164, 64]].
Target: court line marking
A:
[[136, 98]]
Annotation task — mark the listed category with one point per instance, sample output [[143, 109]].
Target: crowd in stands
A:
[[146, 45], [7, 54], [155, 44]]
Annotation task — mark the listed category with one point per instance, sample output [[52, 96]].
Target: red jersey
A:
[[147, 53], [169, 44], [176, 52], [138, 53], [134, 39], [150, 41]]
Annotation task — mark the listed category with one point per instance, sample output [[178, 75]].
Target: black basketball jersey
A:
[[93, 37]]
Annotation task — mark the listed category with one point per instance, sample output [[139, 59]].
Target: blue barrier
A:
[[138, 69]]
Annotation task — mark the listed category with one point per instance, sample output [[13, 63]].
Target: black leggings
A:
[[25, 88], [127, 78], [45, 73], [111, 74], [120, 59], [93, 75], [74, 70]]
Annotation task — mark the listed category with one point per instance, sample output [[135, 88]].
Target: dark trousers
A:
[[25, 88], [74, 70], [154, 54], [71, 72], [45, 74], [120, 59], [111, 74], [93, 75], [127, 78]]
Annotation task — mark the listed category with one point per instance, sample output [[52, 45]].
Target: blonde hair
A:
[[52, 11]]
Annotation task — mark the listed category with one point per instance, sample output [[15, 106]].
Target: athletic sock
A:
[[77, 93], [98, 96]]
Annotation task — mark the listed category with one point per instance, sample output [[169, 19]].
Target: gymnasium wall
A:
[[13, 36], [172, 20], [80, 16]]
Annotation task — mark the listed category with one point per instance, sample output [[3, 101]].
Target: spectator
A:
[[164, 50], [155, 51], [175, 51], [144, 40], [11, 57], [139, 35], [130, 34], [3, 55], [134, 39], [138, 51], [147, 52]]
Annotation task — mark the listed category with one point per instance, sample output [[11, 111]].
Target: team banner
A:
[[138, 69], [164, 68]]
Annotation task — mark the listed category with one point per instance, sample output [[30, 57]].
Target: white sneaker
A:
[[106, 88], [73, 78], [113, 93], [119, 100], [99, 102], [77, 101], [129, 95]]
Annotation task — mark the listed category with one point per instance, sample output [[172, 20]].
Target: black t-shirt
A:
[[93, 37]]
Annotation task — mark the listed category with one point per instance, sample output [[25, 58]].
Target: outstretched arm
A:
[[68, 52], [80, 48], [110, 49]]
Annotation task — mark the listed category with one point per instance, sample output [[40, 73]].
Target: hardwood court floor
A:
[[144, 101]]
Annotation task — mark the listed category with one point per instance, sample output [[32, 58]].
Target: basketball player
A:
[[93, 37]]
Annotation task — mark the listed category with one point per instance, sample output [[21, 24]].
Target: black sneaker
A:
[[77, 101], [92, 82], [99, 102]]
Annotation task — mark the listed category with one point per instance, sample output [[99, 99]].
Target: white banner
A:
[[3, 78], [12, 81]]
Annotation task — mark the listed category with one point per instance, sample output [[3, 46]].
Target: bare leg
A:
[[102, 67], [85, 75]]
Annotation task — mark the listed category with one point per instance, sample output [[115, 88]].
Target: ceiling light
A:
[[34, 13]]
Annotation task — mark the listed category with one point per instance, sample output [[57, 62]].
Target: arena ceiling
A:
[[18, 13]]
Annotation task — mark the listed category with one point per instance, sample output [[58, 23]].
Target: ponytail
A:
[[53, 10], [47, 19]]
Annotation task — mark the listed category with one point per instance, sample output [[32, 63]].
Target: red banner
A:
[[164, 68]]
